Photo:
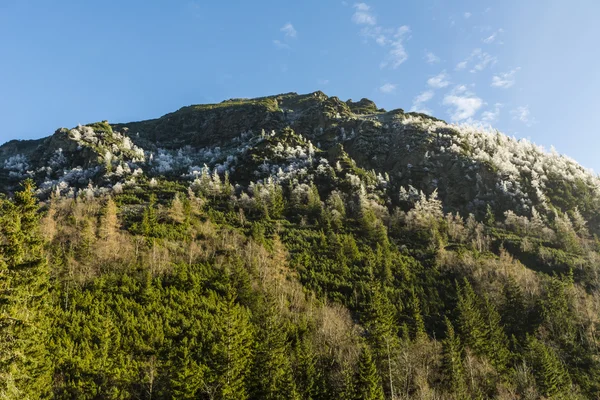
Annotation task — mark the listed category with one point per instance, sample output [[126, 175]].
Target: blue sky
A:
[[528, 67]]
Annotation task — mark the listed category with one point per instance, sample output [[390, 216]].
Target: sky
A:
[[529, 68]]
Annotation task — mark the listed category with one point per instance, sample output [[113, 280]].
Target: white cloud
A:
[[461, 65], [431, 58], [388, 88], [463, 104], [490, 116], [439, 81], [492, 38], [323, 81], [289, 30], [420, 99], [397, 54], [362, 16], [523, 114], [390, 38], [424, 97], [280, 45], [467, 15], [504, 80], [482, 61]]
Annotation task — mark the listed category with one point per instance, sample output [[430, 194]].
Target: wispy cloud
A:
[[397, 53], [481, 61], [281, 45], [493, 37], [504, 80], [362, 15], [439, 81], [388, 88], [463, 104], [390, 38], [490, 116], [523, 114], [462, 65], [323, 82], [420, 100], [431, 58], [467, 15], [289, 30]]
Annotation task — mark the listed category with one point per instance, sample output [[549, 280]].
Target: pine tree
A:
[[417, 323], [382, 333], [367, 382], [150, 219], [230, 352], [272, 371], [497, 343], [452, 363], [550, 374], [513, 311], [24, 312], [471, 323], [556, 309], [309, 375]]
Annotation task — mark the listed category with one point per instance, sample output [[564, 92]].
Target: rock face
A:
[[289, 136]]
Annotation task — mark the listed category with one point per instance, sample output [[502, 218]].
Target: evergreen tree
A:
[[471, 322], [382, 333], [150, 219], [367, 382], [272, 371], [417, 323], [550, 374], [496, 348], [230, 352], [514, 315], [24, 311], [452, 363], [310, 376]]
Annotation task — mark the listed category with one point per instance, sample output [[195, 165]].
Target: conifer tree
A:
[[382, 333], [150, 219], [310, 376], [230, 352], [24, 281], [417, 323], [470, 319], [452, 363], [367, 382], [514, 316], [550, 374], [272, 376], [496, 347]]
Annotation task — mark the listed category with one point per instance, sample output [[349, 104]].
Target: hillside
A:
[[296, 246]]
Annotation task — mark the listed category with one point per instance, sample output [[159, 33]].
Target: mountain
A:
[[296, 246], [469, 167]]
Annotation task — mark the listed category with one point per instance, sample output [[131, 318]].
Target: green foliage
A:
[[452, 362], [550, 374], [25, 368], [367, 383], [160, 294]]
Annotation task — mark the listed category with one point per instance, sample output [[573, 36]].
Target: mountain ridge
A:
[[413, 149]]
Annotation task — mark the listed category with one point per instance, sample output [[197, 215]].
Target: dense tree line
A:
[[290, 292]]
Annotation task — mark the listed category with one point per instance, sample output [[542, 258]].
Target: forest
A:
[[205, 291]]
